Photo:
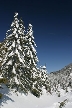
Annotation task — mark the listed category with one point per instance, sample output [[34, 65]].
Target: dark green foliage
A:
[[35, 93], [69, 84], [58, 94], [66, 89], [1, 95], [3, 80], [62, 104], [48, 88]]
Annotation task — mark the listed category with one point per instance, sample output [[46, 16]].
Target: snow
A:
[[13, 44], [71, 74], [0, 58], [10, 62], [19, 56], [28, 52], [44, 67], [9, 48], [19, 100], [34, 50], [31, 54], [1, 76], [19, 47], [11, 54], [14, 70], [9, 35], [16, 14], [30, 25], [16, 80], [16, 35], [18, 41]]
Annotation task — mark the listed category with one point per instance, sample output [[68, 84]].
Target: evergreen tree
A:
[[31, 59], [30, 52], [44, 79], [13, 62]]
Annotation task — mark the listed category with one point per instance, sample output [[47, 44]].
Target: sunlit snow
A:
[[16, 14], [71, 74], [19, 100], [16, 80], [10, 62], [20, 59], [14, 70]]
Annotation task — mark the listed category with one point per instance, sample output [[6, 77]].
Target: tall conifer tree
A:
[[13, 62]]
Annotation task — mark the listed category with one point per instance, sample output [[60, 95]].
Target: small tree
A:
[[44, 78]]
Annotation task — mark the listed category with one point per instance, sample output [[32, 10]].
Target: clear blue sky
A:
[[52, 26]]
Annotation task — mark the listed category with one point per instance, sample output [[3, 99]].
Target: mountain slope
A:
[[62, 78]]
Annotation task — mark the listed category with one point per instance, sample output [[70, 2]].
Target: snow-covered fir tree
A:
[[31, 60], [45, 79], [30, 52], [43, 72], [13, 62]]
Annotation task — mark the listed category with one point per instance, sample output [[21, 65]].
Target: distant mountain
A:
[[62, 78], [64, 70]]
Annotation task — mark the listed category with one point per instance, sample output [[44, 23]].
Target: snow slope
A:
[[11, 100]]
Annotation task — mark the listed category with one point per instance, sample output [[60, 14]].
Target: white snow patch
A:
[[0, 58], [44, 67], [13, 44], [1, 76], [30, 25], [14, 70], [19, 47], [10, 62], [30, 101], [19, 56], [16, 80], [16, 14], [71, 74], [11, 54]]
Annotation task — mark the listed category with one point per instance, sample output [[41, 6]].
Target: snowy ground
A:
[[11, 100]]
